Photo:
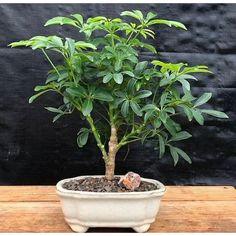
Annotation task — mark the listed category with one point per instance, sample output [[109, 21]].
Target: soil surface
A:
[[95, 184]]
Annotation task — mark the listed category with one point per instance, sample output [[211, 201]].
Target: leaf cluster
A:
[[140, 99]]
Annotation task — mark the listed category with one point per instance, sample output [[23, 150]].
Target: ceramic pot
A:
[[94, 209]]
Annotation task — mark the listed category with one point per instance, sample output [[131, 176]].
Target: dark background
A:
[[35, 151]]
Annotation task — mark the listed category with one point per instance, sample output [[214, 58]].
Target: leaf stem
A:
[[54, 67], [125, 138], [155, 93], [129, 37]]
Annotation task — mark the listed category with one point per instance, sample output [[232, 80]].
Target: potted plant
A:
[[102, 78]]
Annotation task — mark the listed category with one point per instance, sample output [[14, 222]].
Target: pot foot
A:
[[79, 228], [141, 228]]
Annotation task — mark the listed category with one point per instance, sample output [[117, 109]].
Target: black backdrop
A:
[[34, 151]]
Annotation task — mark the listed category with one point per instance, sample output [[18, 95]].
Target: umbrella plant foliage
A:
[[104, 79]]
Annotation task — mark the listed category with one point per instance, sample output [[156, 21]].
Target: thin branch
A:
[[54, 67], [97, 137], [155, 93], [102, 116], [127, 153]]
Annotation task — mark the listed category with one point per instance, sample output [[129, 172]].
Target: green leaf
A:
[[187, 111], [196, 69], [103, 95], [102, 73], [55, 41], [188, 96], [130, 88], [139, 14], [170, 110], [149, 47], [96, 19], [186, 76], [174, 154], [181, 136], [55, 118], [41, 87], [185, 83], [156, 123], [145, 32], [37, 42], [99, 40], [148, 115], [125, 108], [59, 20], [150, 16], [118, 101], [83, 45], [184, 155], [55, 110], [137, 43], [143, 94], [79, 18], [120, 94], [31, 99], [171, 126], [141, 66], [136, 108], [63, 75], [70, 45], [135, 14], [161, 146], [150, 107], [107, 78], [163, 116], [118, 77], [158, 63], [77, 91], [87, 107], [163, 99], [129, 73], [52, 77], [170, 23], [21, 43], [82, 137], [167, 80], [218, 114], [198, 116], [203, 99], [133, 59], [118, 65]]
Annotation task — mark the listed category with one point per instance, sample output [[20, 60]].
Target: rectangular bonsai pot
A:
[[98, 209]]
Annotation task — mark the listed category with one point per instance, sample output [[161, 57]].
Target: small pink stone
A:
[[130, 181]]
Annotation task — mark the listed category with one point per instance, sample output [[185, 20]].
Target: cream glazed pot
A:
[[135, 210]]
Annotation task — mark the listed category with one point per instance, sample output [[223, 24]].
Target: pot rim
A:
[[62, 190]]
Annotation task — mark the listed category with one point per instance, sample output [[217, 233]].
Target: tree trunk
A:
[[110, 163]]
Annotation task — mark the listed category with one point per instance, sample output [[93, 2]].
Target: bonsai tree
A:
[[105, 81]]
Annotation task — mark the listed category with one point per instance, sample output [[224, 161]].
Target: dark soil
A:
[[91, 184]]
